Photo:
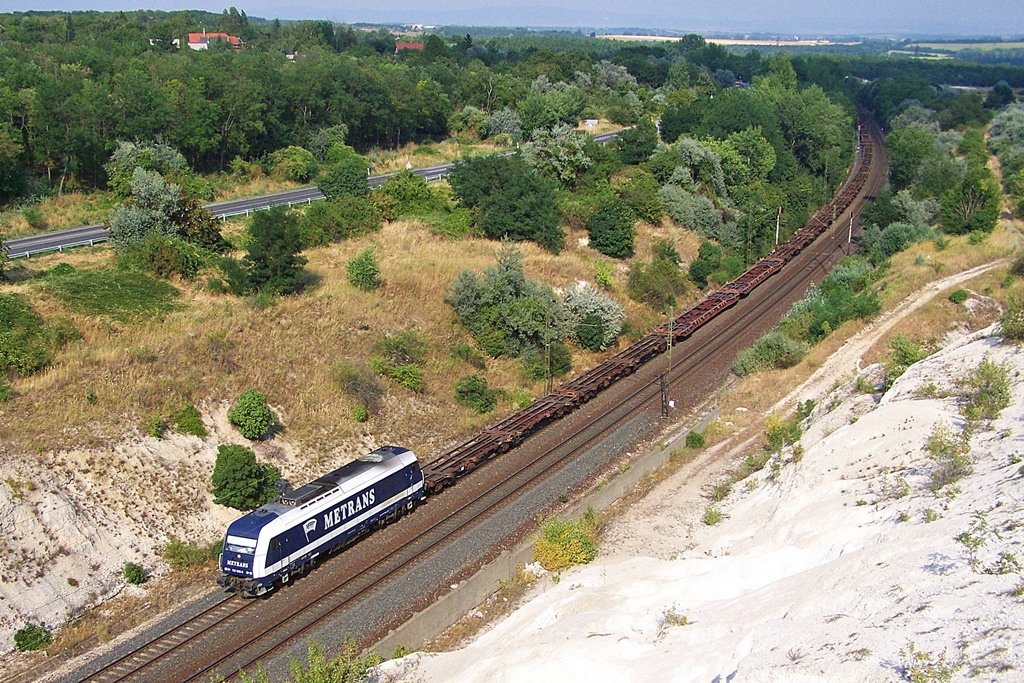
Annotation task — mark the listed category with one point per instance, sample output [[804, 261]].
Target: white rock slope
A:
[[843, 566]]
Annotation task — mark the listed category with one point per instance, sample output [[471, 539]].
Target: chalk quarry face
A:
[[844, 565], [69, 521]]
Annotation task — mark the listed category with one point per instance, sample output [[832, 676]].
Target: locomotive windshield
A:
[[237, 544]]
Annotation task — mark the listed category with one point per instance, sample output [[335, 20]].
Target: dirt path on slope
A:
[[847, 359]]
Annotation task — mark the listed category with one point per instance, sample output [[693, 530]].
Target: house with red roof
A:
[[201, 41], [407, 46]]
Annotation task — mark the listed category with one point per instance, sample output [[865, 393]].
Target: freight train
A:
[[270, 545], [509, 432]]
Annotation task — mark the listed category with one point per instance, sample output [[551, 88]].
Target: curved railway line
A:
[[213, 642]]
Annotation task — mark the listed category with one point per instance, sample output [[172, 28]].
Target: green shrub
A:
[[60, 270], [805, 408], [712, 515], [959, 296], [398, 357], [345, 176], [163, 256], [474, 393], [903, 352], [294, 163], [781, 432], [239, 482], [6, 390], [134, 573], [843, 295], [409, 376], [156, 426], [345, 217], [349, 666], [272, 262], [364, 271], [773, 351], [31, 637], [411, 195], [358, 382], [951, 454], [557, 356], [611, 228], [188, 421], [709, 258], [402, 348], [695, 440], [590, 332], [754, 462], [252, 415], [721, 491], [1017, 267], [564, 543], [23, 349], [638, 188], [657, 284], [359, 413], [1011, 325], [985, 391], [455, 225], [185, 555], [603, 274], [33, 215]]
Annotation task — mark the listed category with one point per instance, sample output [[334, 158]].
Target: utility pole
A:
[[547, 347], [778, 225], [664, 382], [750, 228]]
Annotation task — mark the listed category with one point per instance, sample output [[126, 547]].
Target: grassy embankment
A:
[[212, 347]]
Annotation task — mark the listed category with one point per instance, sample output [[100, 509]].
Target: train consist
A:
[[280, 540], [509, 432]]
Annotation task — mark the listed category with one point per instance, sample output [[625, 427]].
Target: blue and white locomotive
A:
[[277, 541]]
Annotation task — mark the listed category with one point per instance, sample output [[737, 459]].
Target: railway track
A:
[[220, 624]]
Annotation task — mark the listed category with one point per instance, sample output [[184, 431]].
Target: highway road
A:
[[92, 234]]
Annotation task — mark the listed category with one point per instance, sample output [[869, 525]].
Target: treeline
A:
[[937, 71], [73, 84]]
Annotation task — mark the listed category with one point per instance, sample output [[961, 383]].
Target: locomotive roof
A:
[[350, 477], [346, 477]]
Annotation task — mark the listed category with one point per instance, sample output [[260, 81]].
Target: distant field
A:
[[955, 47], [728, 41]]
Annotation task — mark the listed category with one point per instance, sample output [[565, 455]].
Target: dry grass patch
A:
[[68, 210], [122, 613], [924, 263], [236, 188], [452, 149], [214, 347], [937, 317]]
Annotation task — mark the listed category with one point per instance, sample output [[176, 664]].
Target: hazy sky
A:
[[896, 17]]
